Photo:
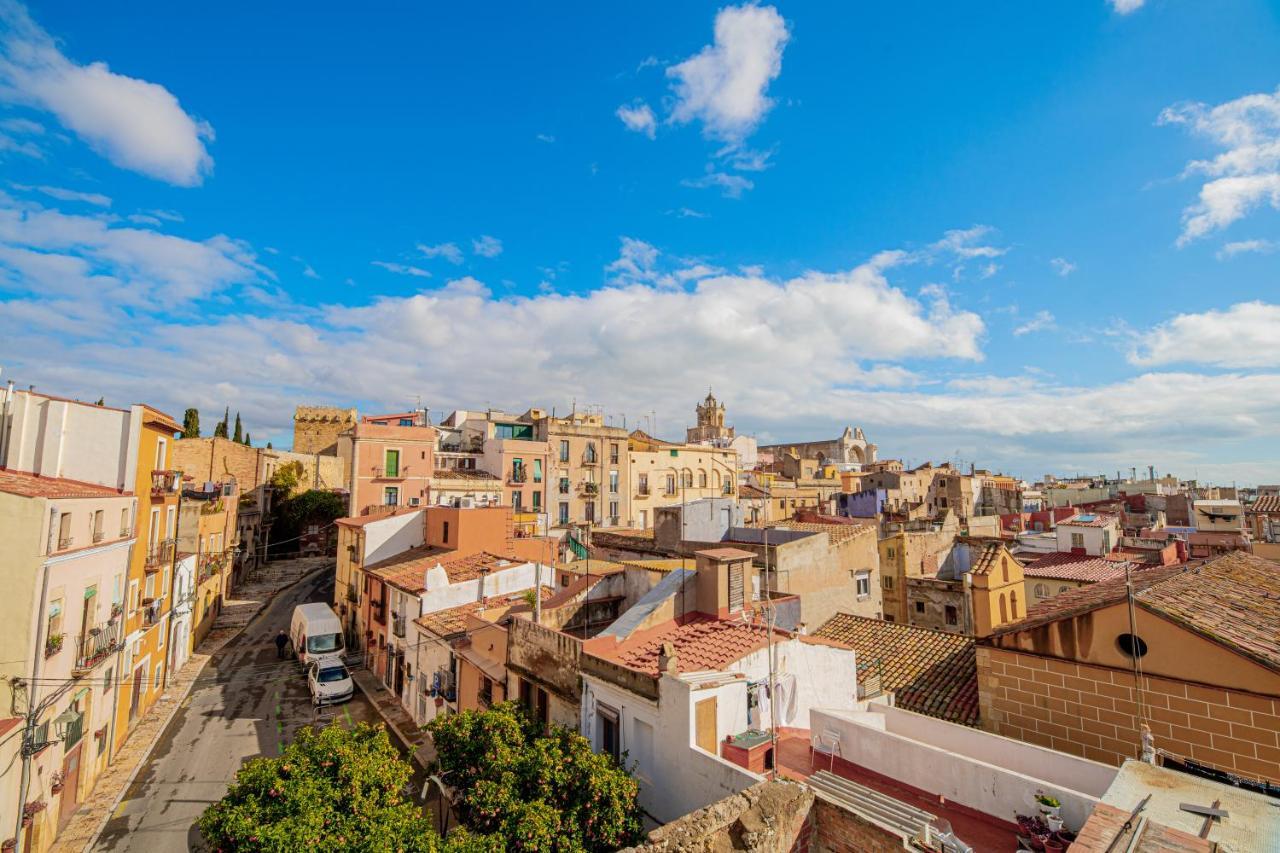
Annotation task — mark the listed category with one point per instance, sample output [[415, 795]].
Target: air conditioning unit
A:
[[413, 501], [465, 503]]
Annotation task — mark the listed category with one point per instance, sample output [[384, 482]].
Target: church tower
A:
[[710, 422]]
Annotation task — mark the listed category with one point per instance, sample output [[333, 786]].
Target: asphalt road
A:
[[246, 703]]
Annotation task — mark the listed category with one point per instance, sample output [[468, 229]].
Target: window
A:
[[124, 524], [159, 675], [64, 531], [54, 627], [97, 526], [150, 587], [160, 454], [702, 479], [391, 463], [1004, 609], [613, 482], [919, 606], [1063, 588], [517, 470], [892, 554], [445, 535], [589, 455], [537, 470], [952, 615], [1131, 645], [1004, 568], [1042, 590], [133, 596], [1013, 604], [610, 740], [171, 523], [1077, 540], [864, 584], [391, 496], [671, 484], [688, 479], [613, 512], [164, 582], [613, 453], [537, 501], [563, 515], [590, 513], [886, 581], [517, 499], [485, 695], [642, 484], [564, 451], [564, 485], [406, 422]]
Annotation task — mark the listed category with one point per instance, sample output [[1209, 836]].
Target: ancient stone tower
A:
[[316, 428], [710, 422]]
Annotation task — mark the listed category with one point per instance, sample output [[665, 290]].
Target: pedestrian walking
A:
[[282, 640]]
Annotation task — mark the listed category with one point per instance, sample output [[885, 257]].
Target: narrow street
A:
[[246, 703]]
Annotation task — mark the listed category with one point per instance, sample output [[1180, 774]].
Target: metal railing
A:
[[151, 614], [165, 483], [379, 612], [98, 535], [159, 555], [518, 475], [65, 542], [589, 488], [382, 473], [99, 644], [397, 624]]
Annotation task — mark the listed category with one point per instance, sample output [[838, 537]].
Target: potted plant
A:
[[1055, 822], [57, 781], [30, 810], [1049, 805], [53, 645], [9, 844]]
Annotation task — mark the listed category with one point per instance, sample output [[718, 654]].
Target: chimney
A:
[[725, 581]]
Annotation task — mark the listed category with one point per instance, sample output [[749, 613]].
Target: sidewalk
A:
[[396, 717], [86, 824]]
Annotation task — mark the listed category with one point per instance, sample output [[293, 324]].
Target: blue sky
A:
[[1036, 236]]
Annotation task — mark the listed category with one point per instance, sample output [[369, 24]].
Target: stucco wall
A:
[[392, 535]]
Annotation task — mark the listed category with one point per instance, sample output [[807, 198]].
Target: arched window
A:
[[1004, 568], [702, 479], [688, 479], [1013, 603], [1004, 609]]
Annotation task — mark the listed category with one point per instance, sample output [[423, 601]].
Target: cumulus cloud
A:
[[1245, 174], [61, 194], [639, 117], [724, 85], [402, 269], [1042, 321], [730, 185], [1241, 336], [449, 251], [486, 246], [1240, 247], [1125, 7], [135, 124], [1062, 266]]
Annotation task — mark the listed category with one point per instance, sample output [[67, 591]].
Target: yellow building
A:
[[911, 553], [998, 592], [147, 597], [664, 473]]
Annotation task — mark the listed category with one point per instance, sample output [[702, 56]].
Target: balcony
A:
[[378, 610], [398, 472], [98, 536], [397, 625], [642, 492], [165, 483], [126, 532], [65, 542], [590, 458], [588, 489], [150, 612], [160, 555], [96, 646], [210, 565], [518, 476]]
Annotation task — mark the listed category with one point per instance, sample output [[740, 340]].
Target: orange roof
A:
[[30, 485], [836, 533], [407, 570], [1077, 567], [453, 620], [701, 642]]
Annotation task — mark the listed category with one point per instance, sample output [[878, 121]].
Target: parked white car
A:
[[329, 682]]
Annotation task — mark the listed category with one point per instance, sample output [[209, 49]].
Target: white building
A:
[[1088, 533]]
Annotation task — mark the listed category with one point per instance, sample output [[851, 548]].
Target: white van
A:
[[316, 633]]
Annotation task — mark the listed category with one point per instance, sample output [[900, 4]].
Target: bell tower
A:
[[710, 422]]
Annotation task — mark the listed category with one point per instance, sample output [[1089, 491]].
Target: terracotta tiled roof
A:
[[446, 623], [702, 643], [458, 474], [1233, 600], [1089, 519], [1077, 567], [1267, 503], [752, 492], [987, 558], [837, 533], [407, 570], [930, 672], [32, 486]]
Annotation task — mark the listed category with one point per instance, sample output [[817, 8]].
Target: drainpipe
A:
[[32, 709], [6, 426]]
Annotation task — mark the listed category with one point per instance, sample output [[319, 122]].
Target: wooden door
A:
[[70, 784], [135, 698], [705, 724]]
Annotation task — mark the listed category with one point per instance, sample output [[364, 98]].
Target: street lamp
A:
[[63, 722]]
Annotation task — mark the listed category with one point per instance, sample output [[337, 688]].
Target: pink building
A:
[[388, 465]]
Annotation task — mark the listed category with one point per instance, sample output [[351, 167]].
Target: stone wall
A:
[[1092, 711], [213, 459], [316, 428], [831, 829], [768, 817], [320, 471]]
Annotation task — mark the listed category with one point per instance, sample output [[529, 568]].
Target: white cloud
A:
[[449, 251], [749, 160], [61, 194], [1125, 7], [968, 243], [143, 219], [988, 270], [1247, 172], [639, 117], [135, 124], [486, 246], [22, 125], [402, 269], [730, 186], [724, 86], [1042, 321], [1062, 266], [1243, 335], [1240, 247], [545, 137], [648, 62], [307, 269], [687, 213]]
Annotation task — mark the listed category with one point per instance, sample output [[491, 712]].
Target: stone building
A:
[[914, 550], [216, 460], [663, 473], [316, 428], [979, 587], [850, 449], [711, 427], [590, 470]]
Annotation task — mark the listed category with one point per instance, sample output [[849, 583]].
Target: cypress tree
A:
[[220, 431], [248, 442], [238, 435], [191, 424]]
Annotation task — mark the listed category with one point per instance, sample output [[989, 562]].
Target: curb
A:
[[173, 712], [410, 750]]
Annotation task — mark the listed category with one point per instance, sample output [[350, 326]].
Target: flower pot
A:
[[1055, 822], [1051, 846]]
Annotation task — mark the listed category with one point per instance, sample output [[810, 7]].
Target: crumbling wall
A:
[[766, 818], [316, 428]]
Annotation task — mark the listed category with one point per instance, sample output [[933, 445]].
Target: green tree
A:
[[268, 445], [538, 791], [287, 477], [248, 442], [191, 423], [220, 431], [335, 789], [238, 435]]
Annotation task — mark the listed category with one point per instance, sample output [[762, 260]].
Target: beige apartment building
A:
[[663, 473], [590, 470], [388, 466]]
